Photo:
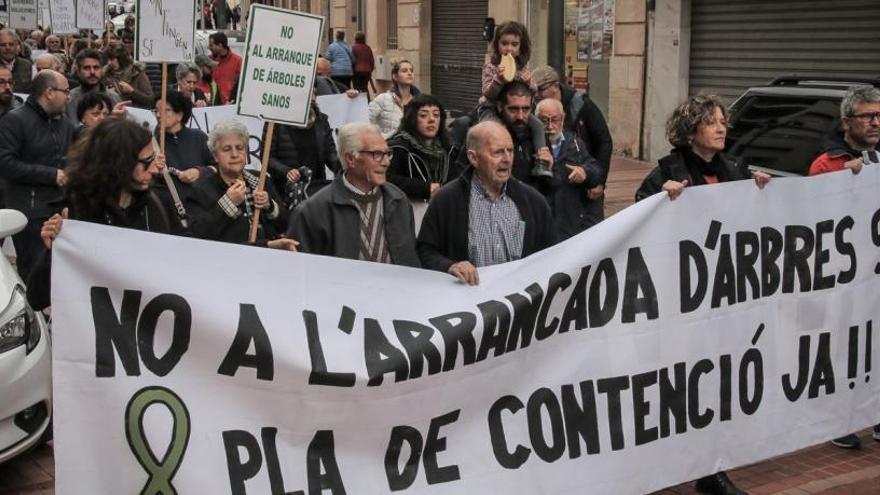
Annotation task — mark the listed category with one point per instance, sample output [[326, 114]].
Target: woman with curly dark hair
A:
[[109, 174], [697, 130]]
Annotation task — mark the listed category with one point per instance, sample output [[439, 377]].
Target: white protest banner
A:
[[165, 31], [341, 110], [90, 14], [281, 54], [672, 340], [204, 119], [23, 14], [62, 16]]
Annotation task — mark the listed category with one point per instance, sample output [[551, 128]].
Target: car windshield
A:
[[781, 132]]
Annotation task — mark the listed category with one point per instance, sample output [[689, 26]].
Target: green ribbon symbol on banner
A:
[[161, 472]]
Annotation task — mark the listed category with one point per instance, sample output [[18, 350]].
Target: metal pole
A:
[[202, 12], [556, 36]]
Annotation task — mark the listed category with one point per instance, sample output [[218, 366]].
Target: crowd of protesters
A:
[[523, 171]]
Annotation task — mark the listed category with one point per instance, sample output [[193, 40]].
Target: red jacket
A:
[[363, 58], [225, 74], [836, 153]]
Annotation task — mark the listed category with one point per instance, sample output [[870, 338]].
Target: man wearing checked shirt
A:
[[486, 216]]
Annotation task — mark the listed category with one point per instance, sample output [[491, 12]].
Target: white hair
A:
[[549, 102], [351, 138], [225, 129]]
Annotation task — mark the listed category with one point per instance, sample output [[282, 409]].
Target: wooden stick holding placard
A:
[[264, 167], [161, 112], [166, 175]]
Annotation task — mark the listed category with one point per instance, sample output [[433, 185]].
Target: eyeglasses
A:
[[547, 86], [554, 120], [63, 90], [146, 162], [378, 155], [867, 117], [4, 82]]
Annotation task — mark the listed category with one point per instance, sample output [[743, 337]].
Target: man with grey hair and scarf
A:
[[360, 215]]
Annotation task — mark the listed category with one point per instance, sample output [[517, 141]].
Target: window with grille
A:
[[391, 24]]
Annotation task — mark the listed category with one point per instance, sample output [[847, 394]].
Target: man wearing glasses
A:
[[8, 100], [9, 54], [33, 144], [359, 215], [860, 119], [576, 172]]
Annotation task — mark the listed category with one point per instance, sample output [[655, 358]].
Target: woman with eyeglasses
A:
[[109, 174], [421, 147], [222, 206]]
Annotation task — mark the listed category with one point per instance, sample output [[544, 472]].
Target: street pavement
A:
[[821, 469]]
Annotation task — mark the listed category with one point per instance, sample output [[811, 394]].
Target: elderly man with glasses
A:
[[8, 100], [360, 215], [860, 119], [33, 146]]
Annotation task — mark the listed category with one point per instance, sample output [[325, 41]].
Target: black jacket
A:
[[184, 150], [209, 221], [22, 75], [409, 172], [286, 154], [679, 167], [33, 146], [329, 224], [148, 212], [584, 118], [443, 237], [570, 202]]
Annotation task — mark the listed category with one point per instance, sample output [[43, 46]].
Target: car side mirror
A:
[[11, 222]]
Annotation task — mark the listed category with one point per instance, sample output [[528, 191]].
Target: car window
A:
[[779, 131]]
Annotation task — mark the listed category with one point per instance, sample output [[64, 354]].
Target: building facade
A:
[[638, 58]]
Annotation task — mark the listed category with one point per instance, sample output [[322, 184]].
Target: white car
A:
[[25, 358]]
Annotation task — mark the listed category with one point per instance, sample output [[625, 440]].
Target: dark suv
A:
[[780, 127]]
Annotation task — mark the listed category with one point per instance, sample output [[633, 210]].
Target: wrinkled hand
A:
[[283, 244], [352, 93], [189, 175], [160, 161], [261, 200], [465, 272], [595, 193], [61, 178], [119, 109], [545, 154], [855, 165], [125, 87], [674, 188], [236, 193], [578, 175], [293, 175], [52, 227], [761, 179]]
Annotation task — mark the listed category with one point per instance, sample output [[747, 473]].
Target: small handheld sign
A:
[[22, 14], [278, 73], [90, 14], [62, 16]]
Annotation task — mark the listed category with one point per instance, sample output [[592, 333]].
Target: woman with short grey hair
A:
[[188, 76], [222, 206]]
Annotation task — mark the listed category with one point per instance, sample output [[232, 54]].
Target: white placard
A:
[[62, 16], [90, 14], [281, 54], [23, 14], [341, 109], [672, 340], [165, 31]]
